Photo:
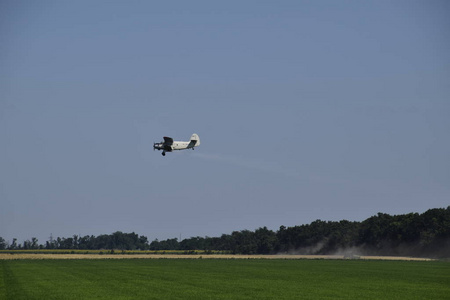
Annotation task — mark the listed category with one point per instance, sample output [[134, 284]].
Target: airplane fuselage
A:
[[177, 145]]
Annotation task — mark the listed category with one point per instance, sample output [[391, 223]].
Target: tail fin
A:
[[195, 138]]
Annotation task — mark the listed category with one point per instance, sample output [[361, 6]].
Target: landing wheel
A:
[[164, 154]]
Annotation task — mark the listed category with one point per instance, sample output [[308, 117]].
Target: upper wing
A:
[[168, 141]]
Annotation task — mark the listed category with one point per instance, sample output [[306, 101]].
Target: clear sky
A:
[[306, 110]]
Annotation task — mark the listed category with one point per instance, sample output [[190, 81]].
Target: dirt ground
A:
[[7, 256]]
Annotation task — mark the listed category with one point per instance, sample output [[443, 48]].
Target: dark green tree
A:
[[3, 244]]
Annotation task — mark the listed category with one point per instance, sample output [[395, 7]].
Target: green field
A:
[[223, 279]]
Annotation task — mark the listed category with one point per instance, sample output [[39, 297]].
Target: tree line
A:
[[413, 234]]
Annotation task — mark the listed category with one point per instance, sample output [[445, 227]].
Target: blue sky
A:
[[306, 110]]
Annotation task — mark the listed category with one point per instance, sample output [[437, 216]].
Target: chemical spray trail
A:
[[244, 162]]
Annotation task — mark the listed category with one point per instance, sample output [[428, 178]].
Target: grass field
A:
[[223, 279]]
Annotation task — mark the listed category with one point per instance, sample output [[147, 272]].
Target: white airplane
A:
[[169, 144]]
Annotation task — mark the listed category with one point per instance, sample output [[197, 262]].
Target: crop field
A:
[[116, 252], [223, 279]]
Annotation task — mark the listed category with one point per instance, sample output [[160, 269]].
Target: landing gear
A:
[[164, 154]]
